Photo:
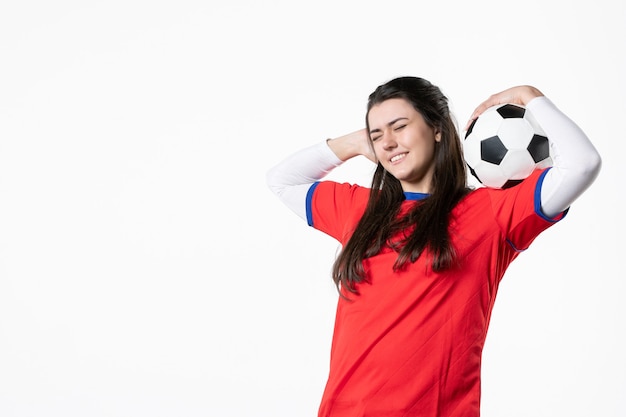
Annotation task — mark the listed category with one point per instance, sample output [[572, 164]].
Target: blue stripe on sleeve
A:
[[514, 247], [309, 203], [537, 198]]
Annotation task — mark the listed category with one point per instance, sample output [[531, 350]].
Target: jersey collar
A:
[[415, 196]]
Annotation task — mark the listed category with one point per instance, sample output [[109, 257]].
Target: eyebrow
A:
[[389, 124]]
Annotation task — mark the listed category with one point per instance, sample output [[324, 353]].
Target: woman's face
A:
[[403, 143]]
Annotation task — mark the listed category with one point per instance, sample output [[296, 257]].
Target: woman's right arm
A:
[[291, 179]]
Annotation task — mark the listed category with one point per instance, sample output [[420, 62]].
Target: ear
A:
[[437, 136]]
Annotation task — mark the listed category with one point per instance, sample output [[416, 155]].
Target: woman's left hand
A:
[[521, 95]]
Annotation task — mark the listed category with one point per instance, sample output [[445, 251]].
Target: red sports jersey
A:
[[410, 343]]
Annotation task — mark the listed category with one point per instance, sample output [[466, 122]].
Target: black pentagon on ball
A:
[[471, 127], [539, 148], [511, 183], [473, 172], [511, 111], [492, 150]]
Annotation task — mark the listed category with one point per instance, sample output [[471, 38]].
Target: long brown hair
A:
[[426, 225]]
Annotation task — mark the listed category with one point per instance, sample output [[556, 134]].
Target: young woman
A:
[[422, 253]]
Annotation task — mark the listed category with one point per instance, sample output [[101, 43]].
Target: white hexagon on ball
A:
[[505, 145]]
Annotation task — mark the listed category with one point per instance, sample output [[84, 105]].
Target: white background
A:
[[146, 269]]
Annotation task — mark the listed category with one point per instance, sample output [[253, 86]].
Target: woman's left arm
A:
[[576, 162]]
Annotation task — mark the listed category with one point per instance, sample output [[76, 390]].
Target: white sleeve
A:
[[291, 179], [576, 162]]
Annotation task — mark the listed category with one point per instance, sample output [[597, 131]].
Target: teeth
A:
[[398, 157]]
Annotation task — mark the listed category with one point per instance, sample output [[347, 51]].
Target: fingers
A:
[[493, 100], [368, 151], [480, 109], [520, 95]]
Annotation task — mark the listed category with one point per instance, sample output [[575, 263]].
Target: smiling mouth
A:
[[397, 157]]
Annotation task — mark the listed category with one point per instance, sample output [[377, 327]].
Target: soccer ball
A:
[[504, 145]]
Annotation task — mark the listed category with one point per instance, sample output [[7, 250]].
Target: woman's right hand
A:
[[353, 144]]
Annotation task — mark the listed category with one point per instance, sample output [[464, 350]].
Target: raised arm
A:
[[576, 161], [291, 179]]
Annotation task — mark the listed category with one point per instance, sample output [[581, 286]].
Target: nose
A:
[[388, 141]]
